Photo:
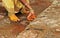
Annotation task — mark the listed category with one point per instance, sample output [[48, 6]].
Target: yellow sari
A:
[[10, 6]]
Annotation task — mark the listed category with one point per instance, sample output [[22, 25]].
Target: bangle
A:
[[31, 9]]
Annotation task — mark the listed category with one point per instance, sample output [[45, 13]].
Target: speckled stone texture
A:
[[46, 25]]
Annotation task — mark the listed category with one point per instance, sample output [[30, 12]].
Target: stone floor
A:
[[46, 25]]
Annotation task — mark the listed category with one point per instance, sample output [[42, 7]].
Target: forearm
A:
[[26, 4]]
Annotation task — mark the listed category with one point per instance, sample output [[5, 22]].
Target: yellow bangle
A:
[[31, 9]]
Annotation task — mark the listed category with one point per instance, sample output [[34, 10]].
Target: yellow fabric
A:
[[27, 1], [10, 4], [10, 7]]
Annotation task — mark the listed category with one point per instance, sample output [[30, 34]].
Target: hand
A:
[[31, 16]]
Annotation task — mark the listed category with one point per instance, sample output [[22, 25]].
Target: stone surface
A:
[[48, 21], [46, 25]]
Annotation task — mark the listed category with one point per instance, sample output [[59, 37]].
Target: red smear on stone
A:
[[13, 29]]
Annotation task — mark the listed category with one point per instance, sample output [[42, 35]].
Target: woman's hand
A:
[[31, 15]]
